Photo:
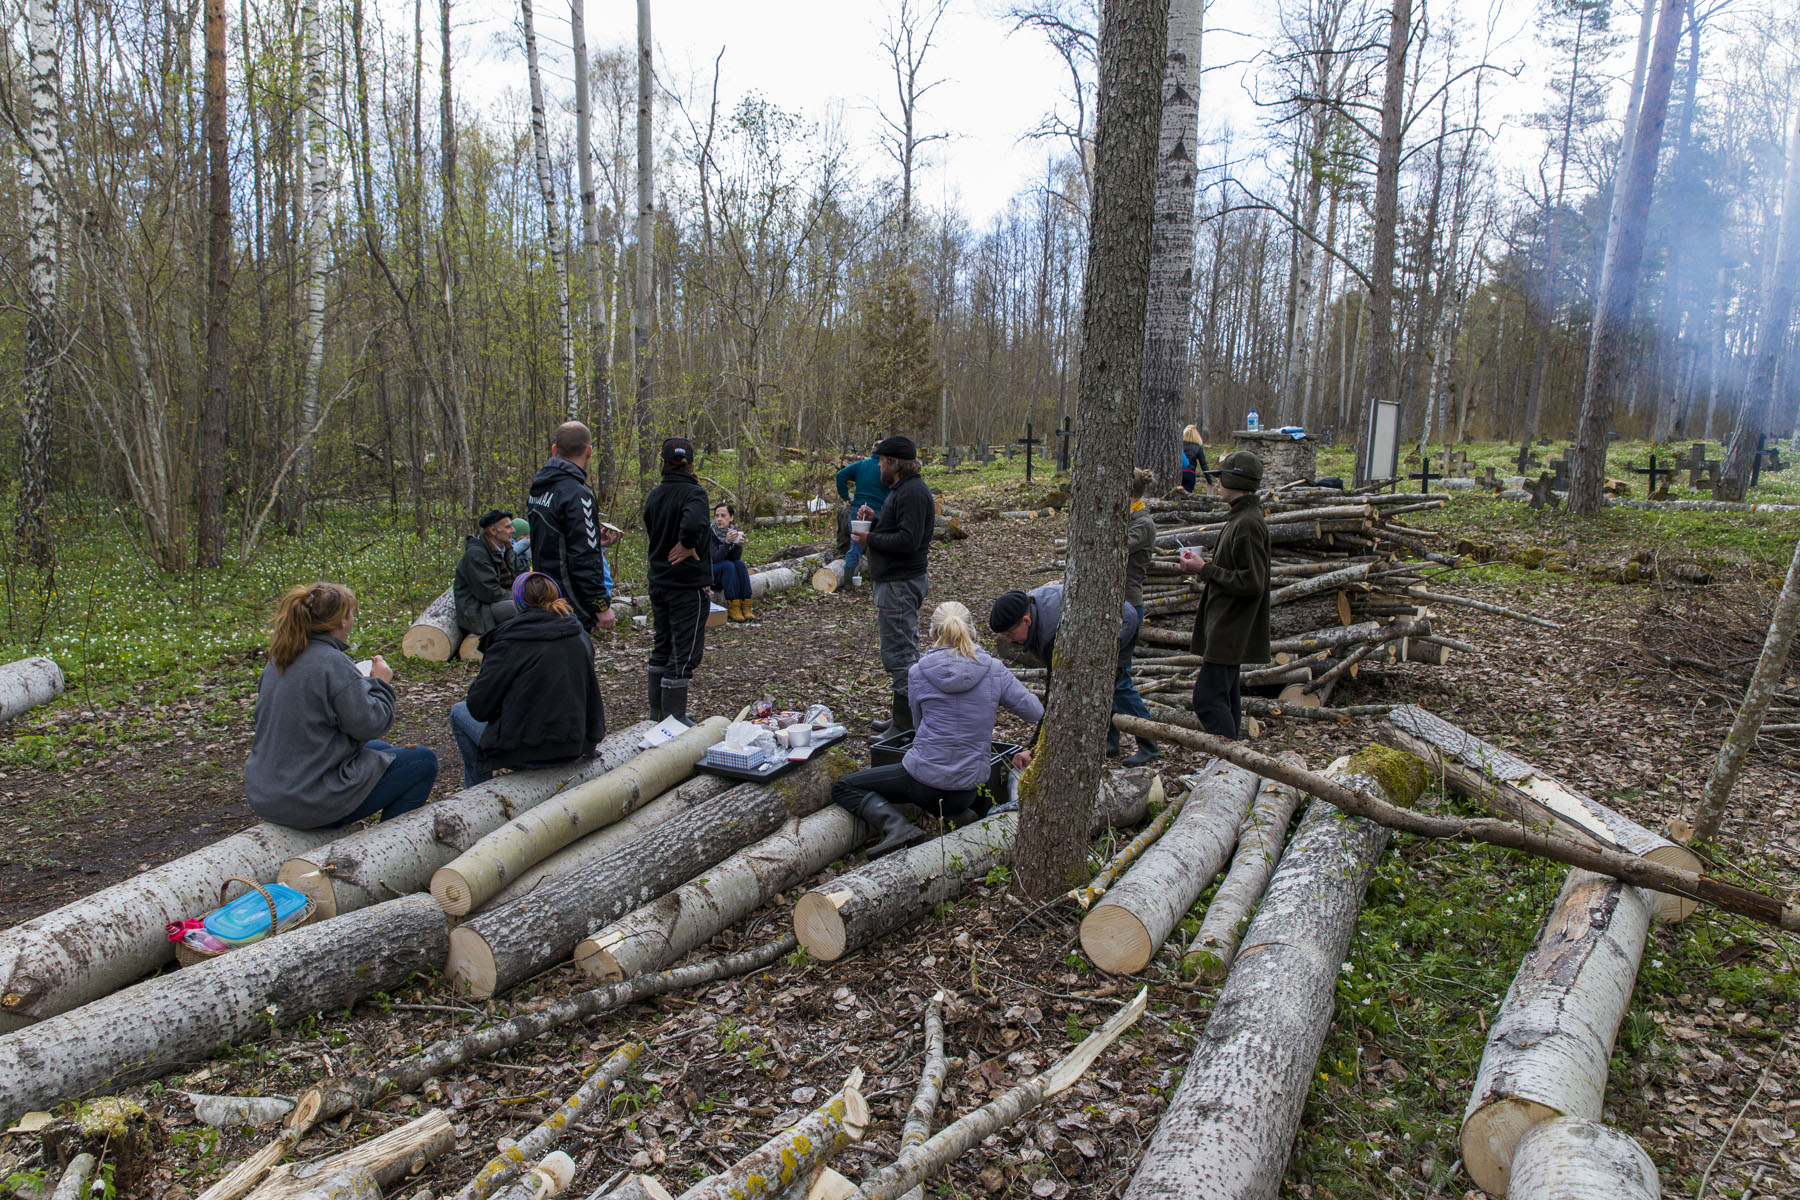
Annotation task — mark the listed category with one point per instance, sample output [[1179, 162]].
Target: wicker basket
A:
[[187, 956]]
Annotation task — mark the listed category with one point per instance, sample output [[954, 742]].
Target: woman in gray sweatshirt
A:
[[317, 761]]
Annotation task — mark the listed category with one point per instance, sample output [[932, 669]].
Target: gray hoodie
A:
[[954, 701], [308, 766]]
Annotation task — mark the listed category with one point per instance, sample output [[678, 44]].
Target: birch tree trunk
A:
[[1293, 372], [1619, 272], [554, 234], [1228, 1129], [189, 1015], [397, 857], [1549, 1046], [318, 192], [598, 324], [1771, 665], [1169, 308], [43, 222], [26, 683], [646, 238], [1123, 932], [1260, 843], [1057, 792], [1570, 1159]]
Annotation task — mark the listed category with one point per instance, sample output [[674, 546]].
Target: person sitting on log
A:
[[1193, 458], [871, 491], [956, 690], [484, 577], [1029, 620], [730, 575], [535, 702], [317, 761], [521, 539], [1232, 626]]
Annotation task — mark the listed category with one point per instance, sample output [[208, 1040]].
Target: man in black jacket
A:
[[680, 555], [567, 539], [897, 547]]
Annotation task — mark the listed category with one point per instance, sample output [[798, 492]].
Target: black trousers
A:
[[680, 633], [1217, 701], [893, 784]]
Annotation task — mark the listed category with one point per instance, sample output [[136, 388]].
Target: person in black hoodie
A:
[[897, 547], [535, 702], [680, 556], [567, 539]]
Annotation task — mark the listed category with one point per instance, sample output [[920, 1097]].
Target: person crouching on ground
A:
[[955, 690], [484, 577], [317, 761], [1232, 626], [535, 702], [730, 576]]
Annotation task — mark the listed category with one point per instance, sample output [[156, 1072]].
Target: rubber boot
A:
[[734, 612], [1147, 751], [744, 607], [655, 693], [1112, 743], [902, 721], [896, 831], [675, 699]]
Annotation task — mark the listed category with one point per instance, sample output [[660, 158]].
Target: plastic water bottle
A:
[[1251, 423]]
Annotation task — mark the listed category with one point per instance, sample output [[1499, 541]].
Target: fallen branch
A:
[[795, 1153], [73, 1184], [517, 1158], [251, 1171], [1641, 872], [1105, 876], [389, 1158], [1483, 606]]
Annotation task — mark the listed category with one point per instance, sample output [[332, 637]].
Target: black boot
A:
[[902, 713], [1112, 742], [656, 693], [675, 699], [874, 811], [1147, 751]]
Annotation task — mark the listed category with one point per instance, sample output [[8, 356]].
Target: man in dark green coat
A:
[[484, 577], [1232, 627]]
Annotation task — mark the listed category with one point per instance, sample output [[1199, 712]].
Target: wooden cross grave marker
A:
[[1653, 471], [1028, 442], [1062, 452], [1424, 476], [1772, 454]]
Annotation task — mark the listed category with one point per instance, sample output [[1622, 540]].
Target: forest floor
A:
[[1704, 1071]]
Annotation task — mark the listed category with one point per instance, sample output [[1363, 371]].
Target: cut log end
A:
[[1115, 940], [818, 925], [426, 641], [471, 967], [452, 891], [470, 650], [1666, 906], [305, 877], [1490, 1136]]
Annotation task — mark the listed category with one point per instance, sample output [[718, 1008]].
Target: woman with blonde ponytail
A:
[[955, 690], [317, 761]]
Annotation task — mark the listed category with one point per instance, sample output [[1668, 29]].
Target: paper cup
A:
[[799, 735], [860, 526]]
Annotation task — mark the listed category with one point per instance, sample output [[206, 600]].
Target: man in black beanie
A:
[[897, 546], [484, 577], [680, 558], [1232, 626]]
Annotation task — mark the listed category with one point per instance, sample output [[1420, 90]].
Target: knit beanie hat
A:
[[1009, 609]]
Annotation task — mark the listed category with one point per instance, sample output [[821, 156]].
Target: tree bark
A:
[[1231, 1123], [879, 897], [1619, 272], [923, 1111], [387, 1159], [191, 1014], [1260, 842], [1057, 792], [1106, 876], [1771, 665], [1550, 1044], [646, 238], [599, 327], [210, 498], [72, 1184], [397, 858], [1169, 308], [318, 194], [664, 930], [498, 948], [1567, 1158], [1123, 932], [42, 276], [1378, 378], [554, 234], [434, 635], [477, 874], [26, 683]]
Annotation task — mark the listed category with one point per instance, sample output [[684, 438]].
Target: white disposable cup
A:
[[860, 526], [799, 735]]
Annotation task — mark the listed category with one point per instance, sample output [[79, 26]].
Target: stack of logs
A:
[[1346, 577]]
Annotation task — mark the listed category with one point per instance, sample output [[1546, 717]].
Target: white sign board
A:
[[1381, 448]]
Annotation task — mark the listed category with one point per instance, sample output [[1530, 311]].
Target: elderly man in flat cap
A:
[[897, 546], [484, 577], [1232, 626]]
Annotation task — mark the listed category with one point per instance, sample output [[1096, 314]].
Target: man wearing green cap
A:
[[1232, 627]]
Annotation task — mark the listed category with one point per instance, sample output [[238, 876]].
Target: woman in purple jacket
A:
[[955, 692]]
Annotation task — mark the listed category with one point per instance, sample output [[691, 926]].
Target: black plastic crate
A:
[[893, 748]]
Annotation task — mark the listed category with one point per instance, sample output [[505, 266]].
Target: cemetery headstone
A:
[[1543, 491]]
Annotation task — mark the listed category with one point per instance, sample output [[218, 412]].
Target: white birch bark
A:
[[189, 1015], [646, 236], [1570, 1159], [434, 635], [477, 874], [1549, 1046], [353, 870], [597, 324], [1123, 932], [318, 193], [26, 683], [1260, 843], [43, 221], [1229, 1128], [777, 579], [661, 932], [73, 1183], [554, 235]]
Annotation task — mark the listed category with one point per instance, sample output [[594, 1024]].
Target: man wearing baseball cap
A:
[[680, 550], [897, 546], [1232, 626]]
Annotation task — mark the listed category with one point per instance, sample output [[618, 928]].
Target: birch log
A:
[[795, 1152], [1570, 1159], [830, 577], [435, 633], [778, 578], [1549, 1047], [397, 857], [496, 949], [637, 1187], [27, 683], [1229, 1128], [477, 874], [189, 1015], [388, 1158], [1260, 841], [698, 791], [72, 1185], [1123, 932], [660, 932], [1470, 766], [1106, 876], [917, 1130], [879, 897], [95, 946]]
